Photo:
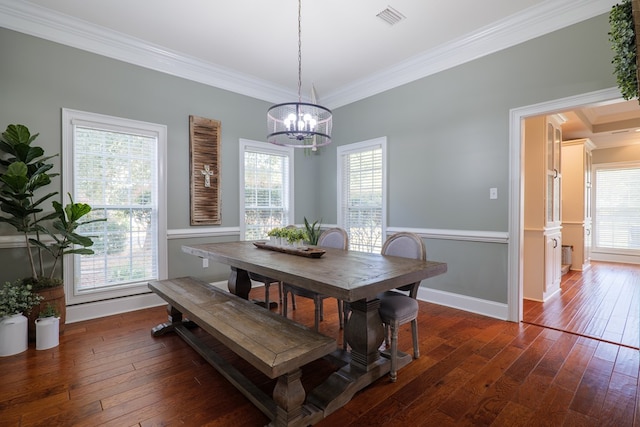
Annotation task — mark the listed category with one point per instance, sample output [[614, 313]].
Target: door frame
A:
[[516, 183]]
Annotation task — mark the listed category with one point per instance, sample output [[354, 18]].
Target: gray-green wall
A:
[[448, 136], [448, 143]]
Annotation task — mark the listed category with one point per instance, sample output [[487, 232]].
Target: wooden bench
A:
[[273, 344]]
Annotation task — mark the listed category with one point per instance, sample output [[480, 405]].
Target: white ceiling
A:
[[348, 53], [607, 125]]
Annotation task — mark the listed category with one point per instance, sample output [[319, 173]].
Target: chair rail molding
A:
[[17, 241], [199, 232], [460, 235]]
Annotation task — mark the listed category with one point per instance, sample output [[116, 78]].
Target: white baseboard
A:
[[448, 299], [466, 303], [619, 258], [94, 310]]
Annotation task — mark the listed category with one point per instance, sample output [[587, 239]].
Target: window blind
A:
[[266, 192], [362, 198], [617, 208], [115, 172]]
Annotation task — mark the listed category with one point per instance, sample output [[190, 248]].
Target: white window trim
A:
[[73, 117], [355, 148], [264, 147]]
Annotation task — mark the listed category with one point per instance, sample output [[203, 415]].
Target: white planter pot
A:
[[47, 332], [13, 335], [275, 241]]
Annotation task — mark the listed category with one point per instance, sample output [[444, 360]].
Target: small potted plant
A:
[[16, 300], [313, 231], [275, 236], [48, 311], [295, 236], [47, 328]]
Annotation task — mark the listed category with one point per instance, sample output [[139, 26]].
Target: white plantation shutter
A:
[[617, 207], [265, 173], [117, 170], [362, 194]]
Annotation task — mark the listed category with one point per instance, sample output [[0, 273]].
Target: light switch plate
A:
[[493, 193]]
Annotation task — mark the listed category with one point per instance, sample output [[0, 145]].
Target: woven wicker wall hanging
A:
[[204, 154]]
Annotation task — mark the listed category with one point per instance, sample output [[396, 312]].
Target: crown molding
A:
[[536, 21], [531, 23], [47, 24]]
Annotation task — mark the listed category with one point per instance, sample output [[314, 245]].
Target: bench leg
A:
[[289, 396], [174, 317]]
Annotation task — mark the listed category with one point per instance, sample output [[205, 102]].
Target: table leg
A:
[[239, 282], [364, 333]]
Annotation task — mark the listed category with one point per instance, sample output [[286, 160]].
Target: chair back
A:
[[334, 238], [406, 245]]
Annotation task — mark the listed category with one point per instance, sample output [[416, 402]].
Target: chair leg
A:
[[386, 335], [414, 331], [340, 314], [293, 300], [266, 296], [393, 373], [280, 294], [318, 311], [285, 299]]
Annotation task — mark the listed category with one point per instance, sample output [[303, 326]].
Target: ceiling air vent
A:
[[391, 16]]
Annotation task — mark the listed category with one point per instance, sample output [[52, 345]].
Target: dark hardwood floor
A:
[[473, 370], [602, 303]]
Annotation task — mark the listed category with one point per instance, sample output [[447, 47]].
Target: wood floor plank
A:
[[593, 387], [423, 408], [555, 401]]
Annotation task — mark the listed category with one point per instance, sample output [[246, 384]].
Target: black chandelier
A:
[[299, 124]]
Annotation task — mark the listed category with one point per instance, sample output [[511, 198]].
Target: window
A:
[[362, 193], [617, 207], [116, 166], [267, 200]]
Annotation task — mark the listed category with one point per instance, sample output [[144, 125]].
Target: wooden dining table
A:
[[355, 277]]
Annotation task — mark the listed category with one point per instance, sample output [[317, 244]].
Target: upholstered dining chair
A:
[[267, 283], [397, 308], [330, 238]]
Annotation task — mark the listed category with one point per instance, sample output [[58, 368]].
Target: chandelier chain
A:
[[299, 50]]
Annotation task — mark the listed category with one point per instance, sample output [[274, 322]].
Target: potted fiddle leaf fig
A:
[[26, 171], [24, 174]]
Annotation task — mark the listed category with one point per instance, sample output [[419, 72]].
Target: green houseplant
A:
[[16, 298], [16, 301], [623, 43], [312, 230], [25, 174], [26, 170]]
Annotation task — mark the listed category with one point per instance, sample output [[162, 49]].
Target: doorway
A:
[[516, 180]]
